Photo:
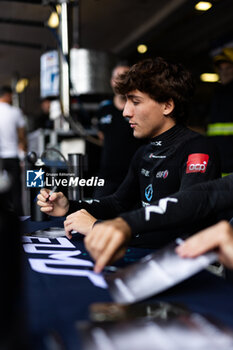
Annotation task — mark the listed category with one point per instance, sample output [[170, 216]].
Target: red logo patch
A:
[[197, 163]]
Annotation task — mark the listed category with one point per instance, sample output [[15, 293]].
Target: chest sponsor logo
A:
[[145, 172], [197, 163], [149, 192], [157, 143], [152, 155], [162, 174]]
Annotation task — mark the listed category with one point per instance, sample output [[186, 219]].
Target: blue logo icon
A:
[[149, 192], [35, 178]]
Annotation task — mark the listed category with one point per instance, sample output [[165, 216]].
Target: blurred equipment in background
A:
[[50, 170], [75, 80], [76, 165], [220, 126], [90, 71]]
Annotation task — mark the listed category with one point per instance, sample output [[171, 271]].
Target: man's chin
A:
[[138, 135], [135, 133]]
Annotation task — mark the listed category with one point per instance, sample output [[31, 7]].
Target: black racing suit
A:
[[172, 161], [212, 200]]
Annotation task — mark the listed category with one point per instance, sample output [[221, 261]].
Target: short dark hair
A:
[[162, 81], [5, 89]]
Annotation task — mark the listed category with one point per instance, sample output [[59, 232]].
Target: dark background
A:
[[172, 29]]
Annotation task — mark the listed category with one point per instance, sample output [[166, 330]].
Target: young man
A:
[[157, 93]]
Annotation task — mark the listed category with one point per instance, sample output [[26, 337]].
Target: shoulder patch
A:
[[197, 163]]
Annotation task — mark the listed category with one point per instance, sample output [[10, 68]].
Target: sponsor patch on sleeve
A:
[[197, 163]]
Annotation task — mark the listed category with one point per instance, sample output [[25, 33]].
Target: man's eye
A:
[[135, 103]]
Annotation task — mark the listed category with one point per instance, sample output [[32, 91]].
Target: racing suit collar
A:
[[167, 136]]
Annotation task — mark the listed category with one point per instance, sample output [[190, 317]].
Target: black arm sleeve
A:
[[123, 200], [184, 207]]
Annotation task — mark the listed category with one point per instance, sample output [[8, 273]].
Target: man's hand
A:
[[219, 236], [56, 205], [107, 242], [80, 221]]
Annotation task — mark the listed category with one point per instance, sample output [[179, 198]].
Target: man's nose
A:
[[128, 110]]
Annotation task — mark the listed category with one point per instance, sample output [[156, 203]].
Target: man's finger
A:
[[107, 254], [68, 234], [54, 196], [93, 238], [45, 192], [99, 242], [46, 209], [201, 243], [67, 222], [43, 204], [69, 227], [41, 198]]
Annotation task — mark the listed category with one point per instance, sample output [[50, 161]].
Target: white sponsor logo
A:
[[145, 172], [198, 167], [89, 201], [160, 208], [157, 143], [163, 174], [154, 156]]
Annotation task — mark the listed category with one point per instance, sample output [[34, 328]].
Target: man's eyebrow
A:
[[131, 96]]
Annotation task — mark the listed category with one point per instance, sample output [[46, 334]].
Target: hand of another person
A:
[[57, 205], [80, 221], [219, 236], [107, 242]]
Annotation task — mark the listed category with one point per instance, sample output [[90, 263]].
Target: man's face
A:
[[146, 116], [7, 97], [45, 106], [225, 70], [115, 74]]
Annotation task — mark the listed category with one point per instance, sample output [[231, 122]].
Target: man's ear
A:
[[168, 107]]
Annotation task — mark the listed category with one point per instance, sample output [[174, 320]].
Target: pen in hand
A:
[[51, 192]]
